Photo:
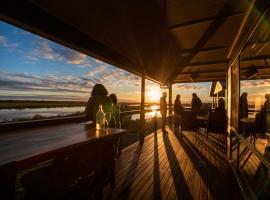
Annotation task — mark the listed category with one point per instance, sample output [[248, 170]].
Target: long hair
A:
[[99, 89]]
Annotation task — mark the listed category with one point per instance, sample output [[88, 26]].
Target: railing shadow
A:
[[179, 181], [261, 178], [129, 178], [215, 179], [156, 189], [210, 150], [217, 141]]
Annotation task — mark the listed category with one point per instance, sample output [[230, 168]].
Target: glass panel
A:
[[254, 110]]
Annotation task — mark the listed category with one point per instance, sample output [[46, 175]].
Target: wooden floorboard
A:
[[252, 170], [169, 166]]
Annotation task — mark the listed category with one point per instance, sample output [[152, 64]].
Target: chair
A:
[[202, 121], [78, 172]]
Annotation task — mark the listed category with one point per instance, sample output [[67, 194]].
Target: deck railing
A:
[[251, 163], [130, 120]]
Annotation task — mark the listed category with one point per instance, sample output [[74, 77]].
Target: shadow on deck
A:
[[175, 167]]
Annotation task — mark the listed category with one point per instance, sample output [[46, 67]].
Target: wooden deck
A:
[[254, 174], [170, 167]]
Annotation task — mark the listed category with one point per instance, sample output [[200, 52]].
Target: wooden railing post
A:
[[170, 104], [142, 114]]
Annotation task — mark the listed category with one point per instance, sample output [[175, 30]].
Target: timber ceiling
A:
[[167, 40], [257, 52]]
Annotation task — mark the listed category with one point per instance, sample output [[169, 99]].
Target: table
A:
[[250, 124], [21, 149], [30, 146]]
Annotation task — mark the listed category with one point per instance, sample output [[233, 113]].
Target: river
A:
[[8, 115]]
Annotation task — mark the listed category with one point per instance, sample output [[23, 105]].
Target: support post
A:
[[233, 93], [142, 113], [170, 104]]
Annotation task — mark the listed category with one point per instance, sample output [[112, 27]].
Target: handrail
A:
[[133, 112], [251, 148], [53, 121]]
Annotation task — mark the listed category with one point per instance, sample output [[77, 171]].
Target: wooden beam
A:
[[207, 63], [142, 114], [204, 20], [200, 80], [170, 104], [256, 13], [202, 72], [263, 57], [219, 71], [211, 30]]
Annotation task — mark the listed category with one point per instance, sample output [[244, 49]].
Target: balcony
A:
[[168, 43]]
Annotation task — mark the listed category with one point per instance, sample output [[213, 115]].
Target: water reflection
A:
[[28, 113]]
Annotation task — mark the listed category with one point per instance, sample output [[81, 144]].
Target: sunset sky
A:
[[35, 68]]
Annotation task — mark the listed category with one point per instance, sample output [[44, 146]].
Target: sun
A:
[[154, 95]]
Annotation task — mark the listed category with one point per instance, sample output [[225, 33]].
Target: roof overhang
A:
[[167, 41]]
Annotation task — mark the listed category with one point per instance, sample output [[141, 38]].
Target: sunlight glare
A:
[[154, 95]]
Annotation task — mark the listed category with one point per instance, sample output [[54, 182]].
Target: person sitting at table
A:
[[177, 108], [196, 103], [221, 105], [98, 96], [115, 112]]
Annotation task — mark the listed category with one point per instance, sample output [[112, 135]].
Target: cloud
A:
[[71, 56], [3, 40], [50, 83], [111, 76], [98, 61], [43, 97], [255, 83], [98, 71], [5, 43], [44, 49], [114, 79], [189, 87]]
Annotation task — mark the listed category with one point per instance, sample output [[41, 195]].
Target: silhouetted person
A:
[[243, 106], [221, 105], [163, 110], [196, 103], [115, 112], [115, 122], [243, 112], [177, 108], [98, 96], [262, 118]]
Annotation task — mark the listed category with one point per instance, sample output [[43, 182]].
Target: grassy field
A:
[[20, 104]]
